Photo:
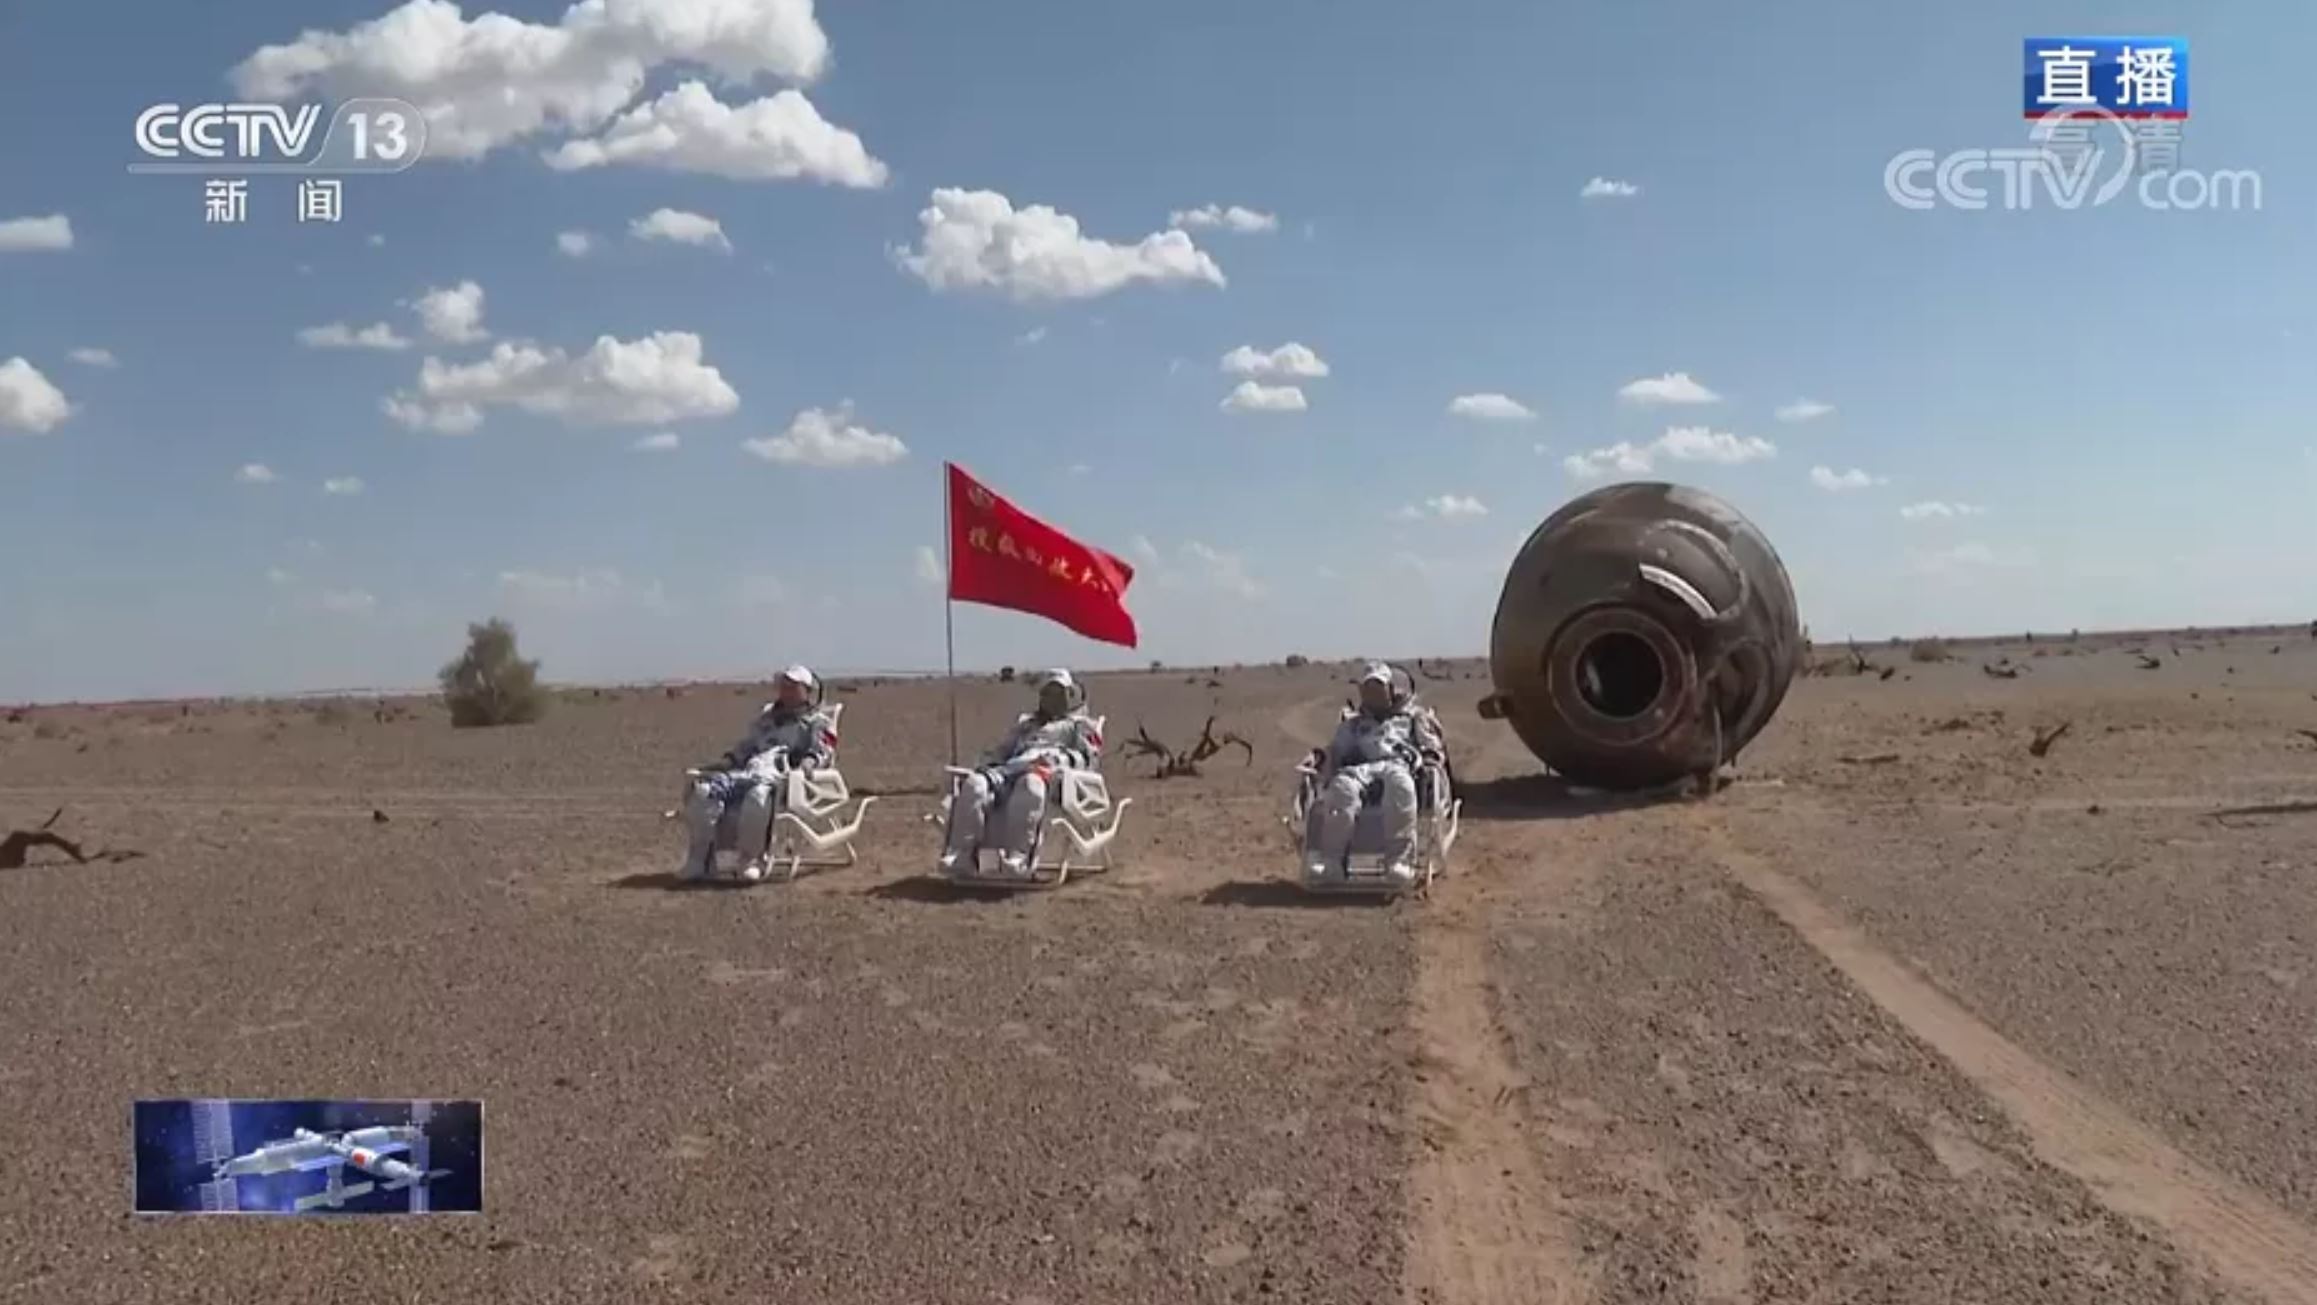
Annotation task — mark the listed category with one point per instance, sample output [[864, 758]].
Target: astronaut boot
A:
[[701, 812], [1015, 865], [755, 870], [1401, 874], [1318, 868]]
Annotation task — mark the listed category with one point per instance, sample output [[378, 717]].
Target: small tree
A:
[[489, 684]]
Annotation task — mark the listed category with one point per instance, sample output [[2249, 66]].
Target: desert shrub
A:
[[1005, 675], [1930, 650], [490, 684], [1297, 661]]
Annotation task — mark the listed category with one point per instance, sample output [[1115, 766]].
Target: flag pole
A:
[[949, 615]]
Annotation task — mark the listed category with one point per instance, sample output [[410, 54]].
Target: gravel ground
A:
[[1912, 1025]]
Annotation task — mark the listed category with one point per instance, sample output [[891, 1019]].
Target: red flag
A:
[[1001, 556]]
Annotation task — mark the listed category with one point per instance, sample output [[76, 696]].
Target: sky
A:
[[1312, 309]]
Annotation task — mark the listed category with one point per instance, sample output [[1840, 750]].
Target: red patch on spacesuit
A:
[[1094, 737], [362, 1158], [829, 737]]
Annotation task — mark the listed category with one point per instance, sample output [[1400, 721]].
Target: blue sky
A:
[[2112, 390]]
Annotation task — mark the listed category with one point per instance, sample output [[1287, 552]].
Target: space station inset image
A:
[[236, 1156]]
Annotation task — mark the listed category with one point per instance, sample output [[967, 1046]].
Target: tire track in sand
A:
[[1484, 1227], [2243, 1238]]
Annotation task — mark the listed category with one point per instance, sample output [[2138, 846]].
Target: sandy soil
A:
[[1906, 1015]]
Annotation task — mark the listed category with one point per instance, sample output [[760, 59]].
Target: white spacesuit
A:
[[792, 732], [1014, 774], [1378, 747]]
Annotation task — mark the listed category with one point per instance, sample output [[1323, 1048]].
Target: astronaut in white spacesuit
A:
[[791, 733], [1377, 749], [1013, 776]]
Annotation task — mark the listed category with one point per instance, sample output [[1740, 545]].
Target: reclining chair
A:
[[1078, 809], [1438, 820], [808, 829]]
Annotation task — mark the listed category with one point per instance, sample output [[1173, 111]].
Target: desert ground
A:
[[1904, 1014]]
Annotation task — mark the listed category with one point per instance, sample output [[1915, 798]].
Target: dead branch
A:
[[2000, 671], [2148, 663], [1176, 765], [2042, 743], [15, 848], [2294, 808], [2310, 735], [1869, 759]]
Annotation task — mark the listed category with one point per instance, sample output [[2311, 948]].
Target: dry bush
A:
[[1297, 661], [490, 684], [1930, 650]]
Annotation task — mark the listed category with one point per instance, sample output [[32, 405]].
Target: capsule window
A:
[[1620, 675]]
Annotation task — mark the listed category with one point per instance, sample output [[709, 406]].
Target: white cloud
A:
[[646, 382], [758, 591], [338, 335], [349, 602], [579, 591], [277, 576], [1233, 218], [1080, 469], [666, 441], [493, 79], [1143, 549], [929, 566], [35, 234], [1446, 507], [441, 418], [1253, 397], [343, 486], [1623, 456], [27, 401], [375, 240], [1489, 407], [1031, 336], [1836, 482], [779, 138], [256, 473], [94, 357], [454, 314], [1804, 410], [1211, 568], [1965, 559], [574, 244], [818, 438], [976, 240], [1935, 510], [1288, 360], [1697, 444], [1604, 188], [1680, 443], [1673, 387], [681, 228]]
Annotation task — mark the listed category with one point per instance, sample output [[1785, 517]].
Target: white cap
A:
[[1056, 676], [1377, 671], [799, 675]]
